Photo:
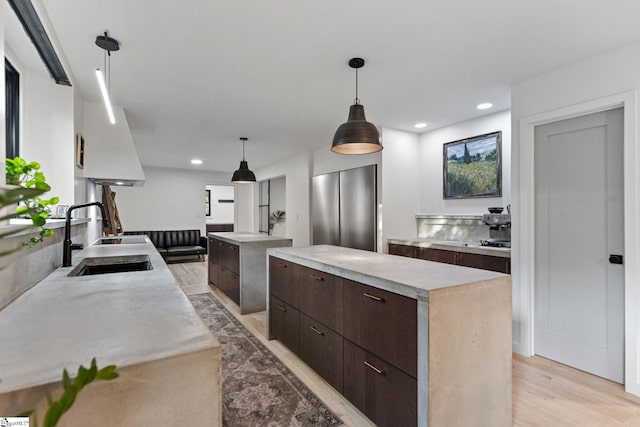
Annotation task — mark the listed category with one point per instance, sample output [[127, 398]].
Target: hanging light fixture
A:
[[243, 174], [357, 135], [104, 79]]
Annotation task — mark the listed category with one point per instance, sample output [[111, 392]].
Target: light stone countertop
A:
[[120, 318], [405, 276], [448, 245], [235, 237]]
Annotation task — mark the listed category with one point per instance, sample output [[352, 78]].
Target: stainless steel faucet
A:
[[67, 246]]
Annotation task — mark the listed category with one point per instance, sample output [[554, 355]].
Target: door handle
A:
[[615, 259], [321, 279], [373, 297], [373, 368]]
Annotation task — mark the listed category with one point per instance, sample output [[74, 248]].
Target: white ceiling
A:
[[194, 76]]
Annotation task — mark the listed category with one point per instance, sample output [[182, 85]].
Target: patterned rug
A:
[[257, 389]]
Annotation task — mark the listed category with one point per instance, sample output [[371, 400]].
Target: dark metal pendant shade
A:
[[357, 135], [243, 174]]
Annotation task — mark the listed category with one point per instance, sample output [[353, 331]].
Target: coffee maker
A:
[[499, 228]]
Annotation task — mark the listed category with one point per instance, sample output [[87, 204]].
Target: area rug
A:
[[257, 389]]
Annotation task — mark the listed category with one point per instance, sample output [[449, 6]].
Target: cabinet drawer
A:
[[383, 323], [321, 297], [283, 281], [284, 324], [229, 283], [388, 396], [485, 262], [403, 250], [228, 256], [438, 255], [321, 349]]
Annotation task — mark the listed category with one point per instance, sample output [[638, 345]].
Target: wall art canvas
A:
[[472, 167]]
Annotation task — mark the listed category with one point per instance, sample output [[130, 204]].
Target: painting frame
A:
[[80, 151], [472, 167], [207, 202]]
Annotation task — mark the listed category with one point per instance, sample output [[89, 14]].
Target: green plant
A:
[[71, 389], [276, 218], [28, 176]]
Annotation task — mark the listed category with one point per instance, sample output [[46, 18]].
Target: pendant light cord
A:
[[356, 101]]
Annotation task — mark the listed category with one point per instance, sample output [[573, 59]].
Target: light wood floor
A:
[[545, 393]]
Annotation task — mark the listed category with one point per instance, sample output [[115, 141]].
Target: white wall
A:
[[246, 207], [48, 131], [171, 199], [400, 185], [576, 88], [221, 213], [431, 166]]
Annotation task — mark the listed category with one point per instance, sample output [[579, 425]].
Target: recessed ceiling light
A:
[[119, 183], [196, 162], [484, 106], [420, 125]]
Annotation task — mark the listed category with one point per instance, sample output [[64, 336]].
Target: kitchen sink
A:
[[119, 241], [111, 264]]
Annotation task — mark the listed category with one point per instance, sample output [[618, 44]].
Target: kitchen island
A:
[[407, 341], [237, 266], [168, 360]]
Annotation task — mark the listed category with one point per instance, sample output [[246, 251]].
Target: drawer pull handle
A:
[[219, 243], [314, 329], [317, 277], [282, 308], [373, 368], [233, 248], [282, 265], [373, 297]]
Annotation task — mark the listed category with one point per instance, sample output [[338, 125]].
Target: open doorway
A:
[[271, 206], [219, 206]]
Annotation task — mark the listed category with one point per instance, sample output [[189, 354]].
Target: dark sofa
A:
[[176, 242]]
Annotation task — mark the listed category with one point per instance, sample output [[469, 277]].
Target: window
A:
[[12, 91]]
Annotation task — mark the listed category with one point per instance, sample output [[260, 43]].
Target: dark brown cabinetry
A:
[[388, 396], [283, 281], [438, 255], [321, 297], [465, 259], [342, 324], [384, 323], [485, 262], [403, 250], [224, 268], [284, 324], [322, 349], [213, 260]]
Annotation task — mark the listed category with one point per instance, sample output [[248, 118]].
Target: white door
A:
[[579, 292]]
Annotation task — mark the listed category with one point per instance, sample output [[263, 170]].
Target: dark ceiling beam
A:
[[35, 30]]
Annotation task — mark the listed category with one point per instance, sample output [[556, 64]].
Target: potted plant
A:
[[31, 183], [276, 218]]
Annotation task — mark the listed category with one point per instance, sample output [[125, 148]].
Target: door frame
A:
[[523, 236]]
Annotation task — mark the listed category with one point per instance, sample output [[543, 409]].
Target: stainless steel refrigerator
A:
[[344, 208]]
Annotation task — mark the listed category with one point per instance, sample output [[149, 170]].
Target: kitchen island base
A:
[[420, 343]]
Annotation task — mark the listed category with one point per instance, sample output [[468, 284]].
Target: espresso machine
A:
[[499, 228]]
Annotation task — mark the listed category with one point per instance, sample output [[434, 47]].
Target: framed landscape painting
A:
[[472, 167]]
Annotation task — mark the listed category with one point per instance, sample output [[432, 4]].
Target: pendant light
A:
[[243, 174], [357, 135], [109, 45]]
